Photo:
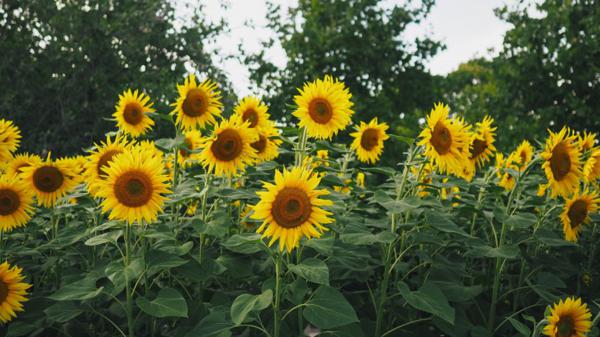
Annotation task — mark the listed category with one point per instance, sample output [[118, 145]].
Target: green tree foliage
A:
[[64, 63]]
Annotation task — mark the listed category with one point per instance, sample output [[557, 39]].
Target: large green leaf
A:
[[83, 289], [443, 223], [212, 325], [111, 237], [506, 251], [158, 261], [367, 238], [328, 309], [168, 303], [245, 243], [62, 312], [244, 304], [311, 269], [429, 298]]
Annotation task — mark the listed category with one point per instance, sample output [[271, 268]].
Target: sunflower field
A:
[[239, 225]]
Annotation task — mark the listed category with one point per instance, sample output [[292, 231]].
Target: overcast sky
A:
[[468, 28]]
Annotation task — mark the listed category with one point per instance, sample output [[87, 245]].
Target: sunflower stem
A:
[[128, 294], [276, 313], [301, 147]]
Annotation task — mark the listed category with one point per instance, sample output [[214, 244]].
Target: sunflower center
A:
[[560, 162], [48, 179], [523, 155], [195, 103], [260, 144], [133, 113], [20, 168], [133, 189], [228, 145], [441, 139], [188, 148], [104, 160], [9, 202], [565, 327], [3, 291], [369, 139], [479, 146], [250, 116], [291, 207], [578, 212], [320, 110]]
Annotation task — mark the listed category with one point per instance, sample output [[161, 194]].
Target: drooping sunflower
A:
[[188, 155], [50, 180], [586, 141], [229, 148], [15, 204], [135, 186], [252, 110], [446, 141], [562, 163], [523, 155], [267, 145], [482, 143], [324, 107], [99, 159], [576, 213], [10, 137], [12, 292], [132, 113], [18, 162], [569, 318], [368, 140], [591, 168], [291, 208], [198, 103]]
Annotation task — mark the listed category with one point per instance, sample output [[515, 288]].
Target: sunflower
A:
[[591, 168], [12, 292], [134, 187], [267, 145], [132, 111], [229, 148], [10, 137], [586, 141], [423, 177], [446, 141], [252, 110], [576, 213], [188, 155], [50, 180], [18, 162], [198, 104], [482, 142], [568, 318], [562, 163], [368, 140], [324, 107], [360, 179], [523, 155], [15, 204], [506, 179], [99, 159], [291, 208]]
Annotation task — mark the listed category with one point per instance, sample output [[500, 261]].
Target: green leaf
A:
[[200, 272], [520, 327], [506, 251], [212, 325], [158, 261], [456, 292], [83, 289], [521, 220], [116, 272], [312, 270], [442, 222], [245, 243], [328, 309], [323, 245], [111, 237], [429, 298], [367, 238], [247, 303], [62, 312], [168, 303]]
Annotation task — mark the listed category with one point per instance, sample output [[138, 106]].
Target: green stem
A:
[[203, 212], [301, 147], [128, 294], [276, 313]]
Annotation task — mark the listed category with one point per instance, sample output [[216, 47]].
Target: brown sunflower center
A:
[[369, 139], [523, 156], [185, 152], [478, 147], [104, 160], [441, 138], [20, 167], [291, 207], [260, 144], [9, 202], [565, 327], [48, 179], [133, 189], [320, 110], [578, 212], [3, 291], [195, 103], [228, 145], [560, 162], [133, 113], [251, 116]]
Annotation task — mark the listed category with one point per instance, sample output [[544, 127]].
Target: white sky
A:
[[469, 28]]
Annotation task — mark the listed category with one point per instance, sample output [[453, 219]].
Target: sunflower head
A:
[[229, 148], [591, 168], [586, 141], [188, 155], [562, 163], [16, 165], [568, 318], [13, 291], [505, 178], [482, 142], [198, 104], [132, 113], [99, 159], [360, 179], [576, 213], [10, 137], [15, 203], [292, 208], [324, 107], [523, 155], [252, 110], [368, 140], [50, 180], [267, 145]]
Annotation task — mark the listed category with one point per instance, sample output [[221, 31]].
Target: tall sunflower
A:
[[18, 162], [15, 204], [446, 141], [267, 145], [99, 159], [368, 140], [198, 103], [523, 155], [134, 187], [324, 107], [50, 180], [591, 168], [291, 208], [562, 163], [586, 141], [10, 137], [568, 318], [229, 148], [192, 141], [252, 110], [132, 113], [482, 143], [12, 291], [576, 213]]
